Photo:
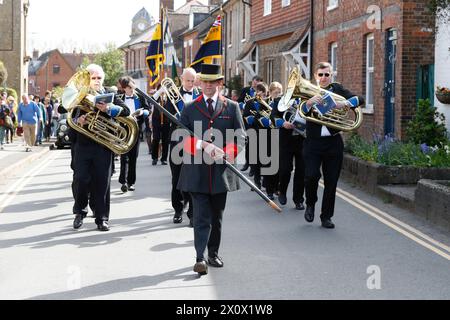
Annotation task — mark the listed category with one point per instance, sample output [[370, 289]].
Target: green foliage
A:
[[86, 61], [112, 62], [390, 152], [235, 83], [428, 126], [11, 92], [57, 92], [3, 74]]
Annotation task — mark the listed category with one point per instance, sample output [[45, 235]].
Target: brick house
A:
[[53, 69], [383, 50], [279, 39]]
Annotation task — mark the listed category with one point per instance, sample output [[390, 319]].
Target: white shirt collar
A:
[[214, 98]]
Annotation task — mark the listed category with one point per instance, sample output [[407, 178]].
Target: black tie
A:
[[210, 107], [187, 92], [129, 98]]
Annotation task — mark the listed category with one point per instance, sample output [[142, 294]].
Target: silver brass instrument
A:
[[172, 93], [339, 119], [118, 135], [292, 115]]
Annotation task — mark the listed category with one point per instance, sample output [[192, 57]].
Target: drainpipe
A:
[[311, 38]]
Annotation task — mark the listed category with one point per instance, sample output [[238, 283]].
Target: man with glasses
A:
[[92, 162], [324, 148]]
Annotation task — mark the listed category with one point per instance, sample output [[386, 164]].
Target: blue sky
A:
[[83, 24]]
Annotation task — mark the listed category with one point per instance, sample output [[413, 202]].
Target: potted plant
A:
[[443, 95]]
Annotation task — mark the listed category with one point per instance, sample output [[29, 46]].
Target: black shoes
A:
[[131, 187], [103, 226], [178, 217], [282, 199], [78, 222], [215, 262], [154, 162], [299, 206], [124, 188], [201, 268], [163, 163], [270, 196], [327, 224], [245, 167], [309, 214]]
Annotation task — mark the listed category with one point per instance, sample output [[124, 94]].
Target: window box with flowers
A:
[[443, 95]]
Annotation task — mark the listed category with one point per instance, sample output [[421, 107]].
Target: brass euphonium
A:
[[118, 135], [339, 119]]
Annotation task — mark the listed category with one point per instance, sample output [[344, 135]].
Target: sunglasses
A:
[[96, 78], [324, 74]]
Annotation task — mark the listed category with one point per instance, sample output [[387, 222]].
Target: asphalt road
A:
[[377, 251]]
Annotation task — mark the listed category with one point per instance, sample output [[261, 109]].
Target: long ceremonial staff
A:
[[172, 118]]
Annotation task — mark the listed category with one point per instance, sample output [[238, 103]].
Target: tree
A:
[[441, 8], [112, 62], [3, 74]]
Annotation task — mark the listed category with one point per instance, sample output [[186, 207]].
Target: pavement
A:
[[13, 157]]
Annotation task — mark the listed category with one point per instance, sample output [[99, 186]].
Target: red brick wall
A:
[[347, 25], [297, 11], [45, 77]]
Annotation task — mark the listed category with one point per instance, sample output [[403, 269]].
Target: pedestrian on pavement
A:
[[41, 124], [10, 132], [28, 116], [48, 109], [3, 123], [324, 148], [140, 110], [92, 162], [203, 174]]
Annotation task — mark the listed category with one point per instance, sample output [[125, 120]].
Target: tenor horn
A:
[[118, 135]]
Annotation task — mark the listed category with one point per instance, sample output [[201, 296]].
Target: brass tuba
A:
[[346, 119], [118, 135]]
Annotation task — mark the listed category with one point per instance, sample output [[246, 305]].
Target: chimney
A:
[[169, 4], [215, 3], [35, 54]]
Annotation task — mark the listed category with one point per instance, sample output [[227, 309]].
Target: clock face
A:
[[141, 26]]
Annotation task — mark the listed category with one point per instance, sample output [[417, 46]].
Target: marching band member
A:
[[179, 199], [246, 94], [291, 151], [140, 109], [251, 116], [324, 148], [92, 161], [161, 136], [202, 174]]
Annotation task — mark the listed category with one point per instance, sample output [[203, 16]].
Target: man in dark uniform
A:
[[203, 174], [140, 109], [180, 199], [324, 148], [92, 161], [161, 136], [246, 94]]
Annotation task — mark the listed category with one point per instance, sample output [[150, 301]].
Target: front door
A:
[[389, 84]]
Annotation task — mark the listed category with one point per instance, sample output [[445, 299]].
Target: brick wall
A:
[[297, 11], [349, 25]]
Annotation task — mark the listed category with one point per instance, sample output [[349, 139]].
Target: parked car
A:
[[62, 134]]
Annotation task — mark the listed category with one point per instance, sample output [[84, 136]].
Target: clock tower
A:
[[141, 22]]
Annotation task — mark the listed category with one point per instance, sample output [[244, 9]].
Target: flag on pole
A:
[[175, 77], [155, 55], [211, 47]]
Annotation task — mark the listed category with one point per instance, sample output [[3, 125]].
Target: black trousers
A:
[[128, 162], [84, 211], [179, 198], [289, 153], [328, 153], [92, 170], [208, 215], [161, 134]]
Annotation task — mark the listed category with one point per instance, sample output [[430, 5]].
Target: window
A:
[[285, 3], [332, 4], [267, 7], [333, 59], [56, 69], [369, 72], [269, 70]]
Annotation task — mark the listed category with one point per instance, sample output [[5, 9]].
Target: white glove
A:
[[214, 152]]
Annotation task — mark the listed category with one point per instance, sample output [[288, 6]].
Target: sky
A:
[[85, 25]]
